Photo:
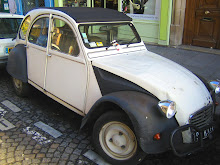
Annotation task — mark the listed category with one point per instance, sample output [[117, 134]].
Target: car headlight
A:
[[215, 85], [167, 108]]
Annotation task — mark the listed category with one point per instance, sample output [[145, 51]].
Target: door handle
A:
[[26, 46], [49, 55]]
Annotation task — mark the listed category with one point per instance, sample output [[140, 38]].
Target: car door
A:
[[66, 74], [37, 50]]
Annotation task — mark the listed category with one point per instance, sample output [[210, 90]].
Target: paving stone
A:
[[22, 135], [65, 156], [55, 160], [10, 160], [62, 162], [43, 150], [2, 134], [18, 139], [5, 137], [57, 154], [51, 150], [3, 162], [40, 155], [27, 162], [49, 155], [69, 150], [77, 151], [3, 156], [36, 161], [30, 156], [14, 144], [10, 140], [19, 158], [54, 146], [74, 157], [21, 148], [3, 151], [81, 146], [36, 151], [46, 160], [61, 149], [10, 154]]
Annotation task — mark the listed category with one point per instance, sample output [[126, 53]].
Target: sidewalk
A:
[[202, 61]]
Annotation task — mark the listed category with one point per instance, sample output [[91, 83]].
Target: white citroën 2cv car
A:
[[93, 61]]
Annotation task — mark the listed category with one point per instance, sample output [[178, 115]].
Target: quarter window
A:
[[39, 32], [63, 38], [24, 28]]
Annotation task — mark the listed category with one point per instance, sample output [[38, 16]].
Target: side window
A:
[[39, 32], [63, 38], [24, 28]]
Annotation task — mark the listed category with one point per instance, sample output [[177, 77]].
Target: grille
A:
[[202, 117]]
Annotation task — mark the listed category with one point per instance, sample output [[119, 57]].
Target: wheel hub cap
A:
[[118, 140]]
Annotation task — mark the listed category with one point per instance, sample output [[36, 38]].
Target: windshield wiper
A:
[[129, 43]]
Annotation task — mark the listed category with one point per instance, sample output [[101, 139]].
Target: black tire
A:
[[21, 88], [114, 139]]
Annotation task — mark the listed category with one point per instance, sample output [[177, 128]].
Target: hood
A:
[[162, 77]]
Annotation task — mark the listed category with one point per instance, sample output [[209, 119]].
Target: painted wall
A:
[[158, 31]]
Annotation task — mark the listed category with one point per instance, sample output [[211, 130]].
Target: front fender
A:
[[17, 63], [147, 120]]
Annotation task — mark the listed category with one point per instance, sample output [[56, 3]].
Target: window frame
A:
[[27, 31], [110, 23], [33, 22], [73, 30]]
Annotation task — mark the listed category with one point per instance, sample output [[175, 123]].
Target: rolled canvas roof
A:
[[86, 14]]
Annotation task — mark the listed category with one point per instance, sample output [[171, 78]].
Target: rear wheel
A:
[[115, 140], [21, 88]]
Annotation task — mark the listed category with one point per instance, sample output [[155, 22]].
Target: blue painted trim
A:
[[49, 3], [19, 7]]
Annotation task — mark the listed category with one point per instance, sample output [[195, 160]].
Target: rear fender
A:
[[17, 63]]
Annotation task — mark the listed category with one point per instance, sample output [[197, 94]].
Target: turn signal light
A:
[[157, 136], [216, 103]]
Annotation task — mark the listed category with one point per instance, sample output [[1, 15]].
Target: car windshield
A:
[[106, 35], [9, 27]]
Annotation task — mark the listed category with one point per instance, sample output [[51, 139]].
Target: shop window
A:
[[110, 4], [63, 38], [28, 5], [74, 3], [142, 9], [24, 28], [39, 32]]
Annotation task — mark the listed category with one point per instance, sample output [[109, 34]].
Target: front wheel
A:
[[21, 88], [115, 140]]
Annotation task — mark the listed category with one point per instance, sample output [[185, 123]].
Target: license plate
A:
[[205, 133], [7, 50]]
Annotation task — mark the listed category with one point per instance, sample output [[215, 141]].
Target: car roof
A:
[[87, 14], [9, 15]]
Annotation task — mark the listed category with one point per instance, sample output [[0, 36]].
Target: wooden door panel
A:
[[203, 4], [202, 23]]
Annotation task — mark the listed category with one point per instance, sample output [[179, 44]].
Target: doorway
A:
[[202, 22]]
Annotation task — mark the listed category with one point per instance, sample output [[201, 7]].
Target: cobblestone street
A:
[[59, 140]]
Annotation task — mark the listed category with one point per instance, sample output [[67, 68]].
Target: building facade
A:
[[163, 22]]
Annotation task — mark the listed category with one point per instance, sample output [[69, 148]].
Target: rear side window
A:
[[63, 38], [39, 32], [24, 28]]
